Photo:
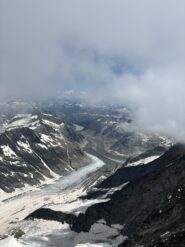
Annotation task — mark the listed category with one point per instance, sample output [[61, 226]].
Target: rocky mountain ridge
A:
[[150, 206], [34, 148]]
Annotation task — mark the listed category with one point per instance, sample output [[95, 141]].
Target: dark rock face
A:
[[36, 147], [152, 204], [49, 214], [173, 239]]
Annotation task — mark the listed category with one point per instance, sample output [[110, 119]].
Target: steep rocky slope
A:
[[151, 206], [34, 148]]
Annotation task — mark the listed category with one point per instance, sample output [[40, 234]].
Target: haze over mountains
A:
[[92, 123], [119, 52]]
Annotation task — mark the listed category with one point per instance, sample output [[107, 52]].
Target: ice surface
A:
[[10, 242]]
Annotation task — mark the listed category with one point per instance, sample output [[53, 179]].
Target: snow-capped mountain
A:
[[94, 205], [36, 148]]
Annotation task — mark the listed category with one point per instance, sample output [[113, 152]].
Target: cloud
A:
[[157, 98], [119, 51]]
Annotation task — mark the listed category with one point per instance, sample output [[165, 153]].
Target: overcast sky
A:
[[119, 50]]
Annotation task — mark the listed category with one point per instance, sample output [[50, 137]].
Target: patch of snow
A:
[[46, 138], [76, 207], [16, 163], [165, 141], [114, 189], [165, 234], [42, 145], [8, 151], [53, 174], [169, 197], [24, 120], [47, 114], [25, 146], [10, 242], [120, 154], [112, 122], [51, 124], [143, 161], [117, 226], [70, 168], [34, 125], [93, 245], [57, 234], [78, 127]]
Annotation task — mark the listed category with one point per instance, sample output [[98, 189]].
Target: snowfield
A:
[[10, 242], [23, 120]]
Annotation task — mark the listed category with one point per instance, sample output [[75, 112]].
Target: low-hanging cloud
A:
[[121, 51], [157, 98]]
